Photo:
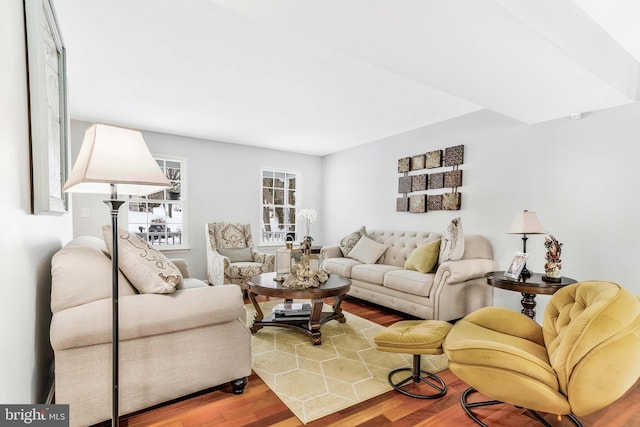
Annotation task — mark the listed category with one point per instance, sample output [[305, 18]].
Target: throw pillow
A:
[[367, 251], [349, 241], [237, 255], [424, 258], [148, 270], [452, 245]]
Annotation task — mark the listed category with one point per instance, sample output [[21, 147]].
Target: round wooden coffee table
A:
[[337, 286]]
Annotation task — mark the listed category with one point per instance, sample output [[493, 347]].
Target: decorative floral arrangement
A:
[[309, 216]]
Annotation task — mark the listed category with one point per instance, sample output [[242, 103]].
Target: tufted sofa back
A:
[[400, 244], [592, 335]]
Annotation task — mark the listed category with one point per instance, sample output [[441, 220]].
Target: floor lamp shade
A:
[[114, 155], [112, 160]]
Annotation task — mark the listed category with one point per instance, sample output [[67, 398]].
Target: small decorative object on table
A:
[[286, 259], [305, 278], [553, 265], [517, 265]]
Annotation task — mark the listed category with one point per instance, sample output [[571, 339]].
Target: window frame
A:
[[286, 206], [182, 242]]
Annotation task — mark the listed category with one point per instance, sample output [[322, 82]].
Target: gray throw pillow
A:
[[237, 255]]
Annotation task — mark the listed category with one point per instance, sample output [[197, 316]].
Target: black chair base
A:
[[468, 406], [418, 375]]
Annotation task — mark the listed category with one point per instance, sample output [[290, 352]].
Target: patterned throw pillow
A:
[[424, 258], [348, 242], [148, 270], [452, 245]]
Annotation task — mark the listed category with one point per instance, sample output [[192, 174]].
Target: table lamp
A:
[[111, 160], [526, 223]]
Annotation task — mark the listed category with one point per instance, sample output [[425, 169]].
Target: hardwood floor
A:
[[259, 406]]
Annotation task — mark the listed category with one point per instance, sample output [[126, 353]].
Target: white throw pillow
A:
[[452, 243], [148, 270], [349, 241], [367, 251]]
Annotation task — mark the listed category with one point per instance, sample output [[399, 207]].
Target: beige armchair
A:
[[231, 257]]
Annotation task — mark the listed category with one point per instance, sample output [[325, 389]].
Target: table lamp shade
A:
[[115, 155], [526, 223]]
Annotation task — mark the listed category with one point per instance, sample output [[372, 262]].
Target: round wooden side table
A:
[[529, 287]]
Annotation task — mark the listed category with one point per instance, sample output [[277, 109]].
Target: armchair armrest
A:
[[216, 264], [267, 260], [454, 272], [146, 315], [508, 322], [331, 252]]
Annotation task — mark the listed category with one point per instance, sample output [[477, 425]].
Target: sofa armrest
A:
[[182, 266], [454, 272], [331, 252], [146, 315]]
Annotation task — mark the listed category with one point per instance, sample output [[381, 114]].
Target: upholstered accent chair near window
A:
[[585, 355], [231, 257]]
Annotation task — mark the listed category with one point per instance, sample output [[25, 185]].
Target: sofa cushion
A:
[[452, 245], [371, 273], [367, 251], [424, 258], [341, 266], [410, 281], [148, 270], [349, 241], [237, 255]]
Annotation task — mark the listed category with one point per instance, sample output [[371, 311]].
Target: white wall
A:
[[27, 241], [223, 182], [578, 175]]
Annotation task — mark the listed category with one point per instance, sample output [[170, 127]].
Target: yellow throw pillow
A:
[[424, 258]]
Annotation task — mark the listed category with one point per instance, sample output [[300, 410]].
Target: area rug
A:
[[315, 381]]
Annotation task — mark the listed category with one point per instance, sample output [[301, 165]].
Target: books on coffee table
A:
[[290, 310]]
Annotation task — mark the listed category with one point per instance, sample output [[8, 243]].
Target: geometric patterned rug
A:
[[315, 381]]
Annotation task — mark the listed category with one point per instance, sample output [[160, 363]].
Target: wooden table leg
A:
[[258, 316], [314, 321], [528, 305], [337, 309]]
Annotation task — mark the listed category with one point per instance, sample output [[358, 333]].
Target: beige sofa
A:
[[171, 345], [455, 289]]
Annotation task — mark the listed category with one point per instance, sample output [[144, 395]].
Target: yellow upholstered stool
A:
[[416, 337]]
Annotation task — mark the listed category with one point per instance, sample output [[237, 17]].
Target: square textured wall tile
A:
[[434, 159], [454, 156], [417, 162], [436, 180], [453, 178], [451, 201], [404, 164], [434, 203], [417, 203], [404, 184], [419, 182], [402, 204]]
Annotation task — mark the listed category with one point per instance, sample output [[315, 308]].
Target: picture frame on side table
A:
[[517, 264], [49, 119]]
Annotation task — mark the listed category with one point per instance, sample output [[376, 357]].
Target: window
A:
[[158, 217], [278, 206]]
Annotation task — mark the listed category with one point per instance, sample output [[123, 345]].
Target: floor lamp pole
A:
[[114, 206]]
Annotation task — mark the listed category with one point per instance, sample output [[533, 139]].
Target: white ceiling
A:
[[319, 76]]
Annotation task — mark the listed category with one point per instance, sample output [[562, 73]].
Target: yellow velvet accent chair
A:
[[585, 355]]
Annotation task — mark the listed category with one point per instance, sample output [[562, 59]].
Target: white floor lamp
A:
[[112, 160]]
